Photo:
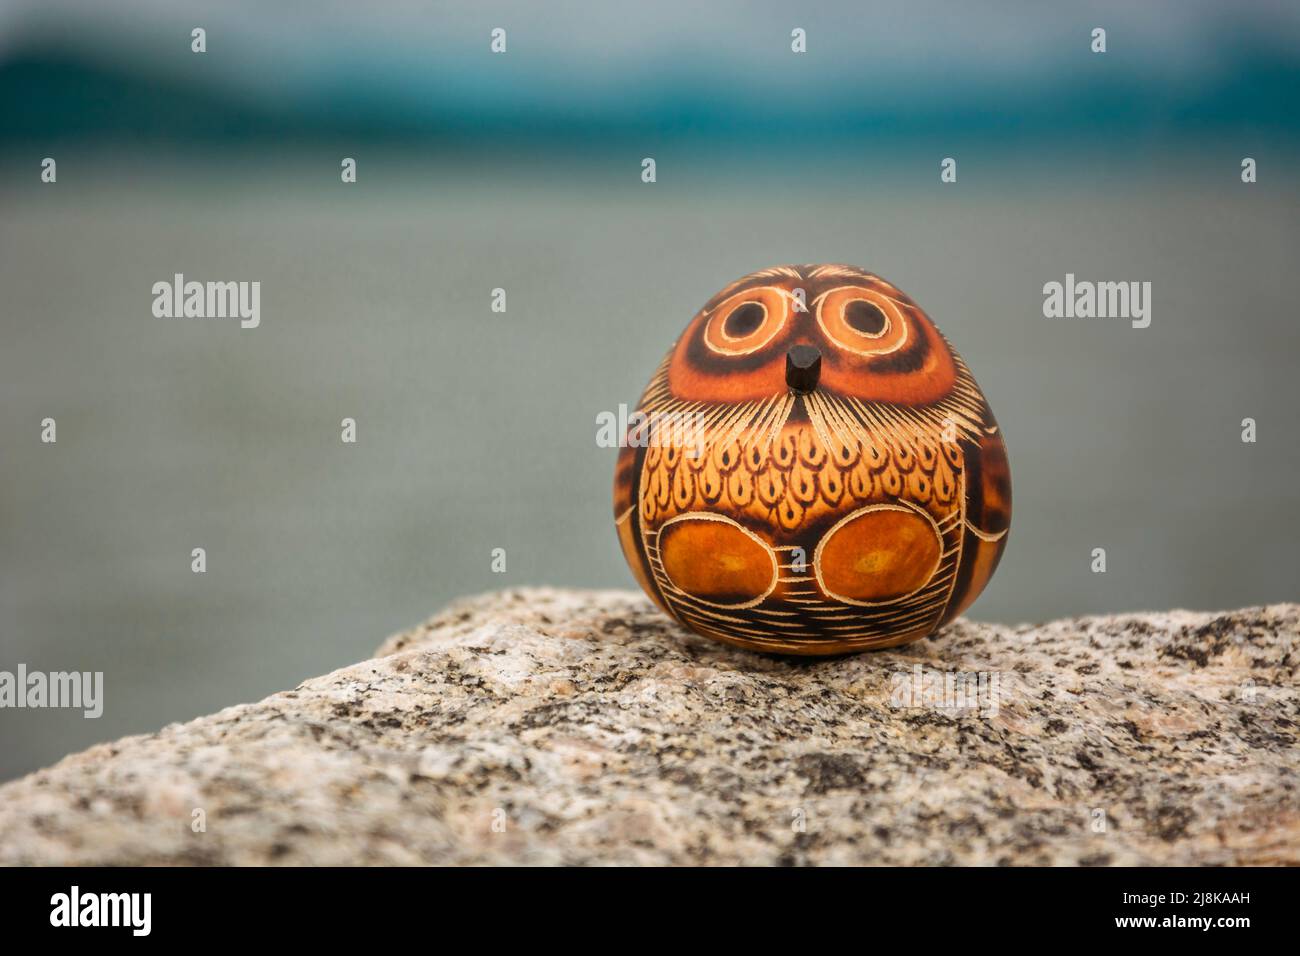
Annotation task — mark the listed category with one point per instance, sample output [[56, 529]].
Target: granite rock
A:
[[544, 726]]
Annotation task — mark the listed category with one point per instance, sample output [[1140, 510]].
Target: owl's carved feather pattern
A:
[[801, 475]]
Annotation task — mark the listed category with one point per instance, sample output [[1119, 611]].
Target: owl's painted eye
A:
[[860, 320], [744, 320], [866, 318], [747, 321]]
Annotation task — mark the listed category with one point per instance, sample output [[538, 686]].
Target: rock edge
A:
[[544, 726]]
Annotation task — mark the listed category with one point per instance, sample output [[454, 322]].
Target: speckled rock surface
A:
[[547, 726]]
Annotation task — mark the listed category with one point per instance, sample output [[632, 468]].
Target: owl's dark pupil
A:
[[744, 320], [864, 317]]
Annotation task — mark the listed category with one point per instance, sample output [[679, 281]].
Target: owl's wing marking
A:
[[984, 535]]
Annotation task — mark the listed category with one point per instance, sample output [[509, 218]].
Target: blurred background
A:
[[522, 171]]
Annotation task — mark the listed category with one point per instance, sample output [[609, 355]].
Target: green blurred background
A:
[[522, 171]]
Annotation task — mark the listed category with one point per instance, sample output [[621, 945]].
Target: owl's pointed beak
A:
[[803, 367]]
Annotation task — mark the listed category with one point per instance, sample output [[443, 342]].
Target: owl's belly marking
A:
[[878, 554], [864, 537], [717, 560]]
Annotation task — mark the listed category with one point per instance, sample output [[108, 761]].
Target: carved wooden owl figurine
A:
[[812, 469]]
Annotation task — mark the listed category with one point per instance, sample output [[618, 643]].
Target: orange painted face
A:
[[872, 341]]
